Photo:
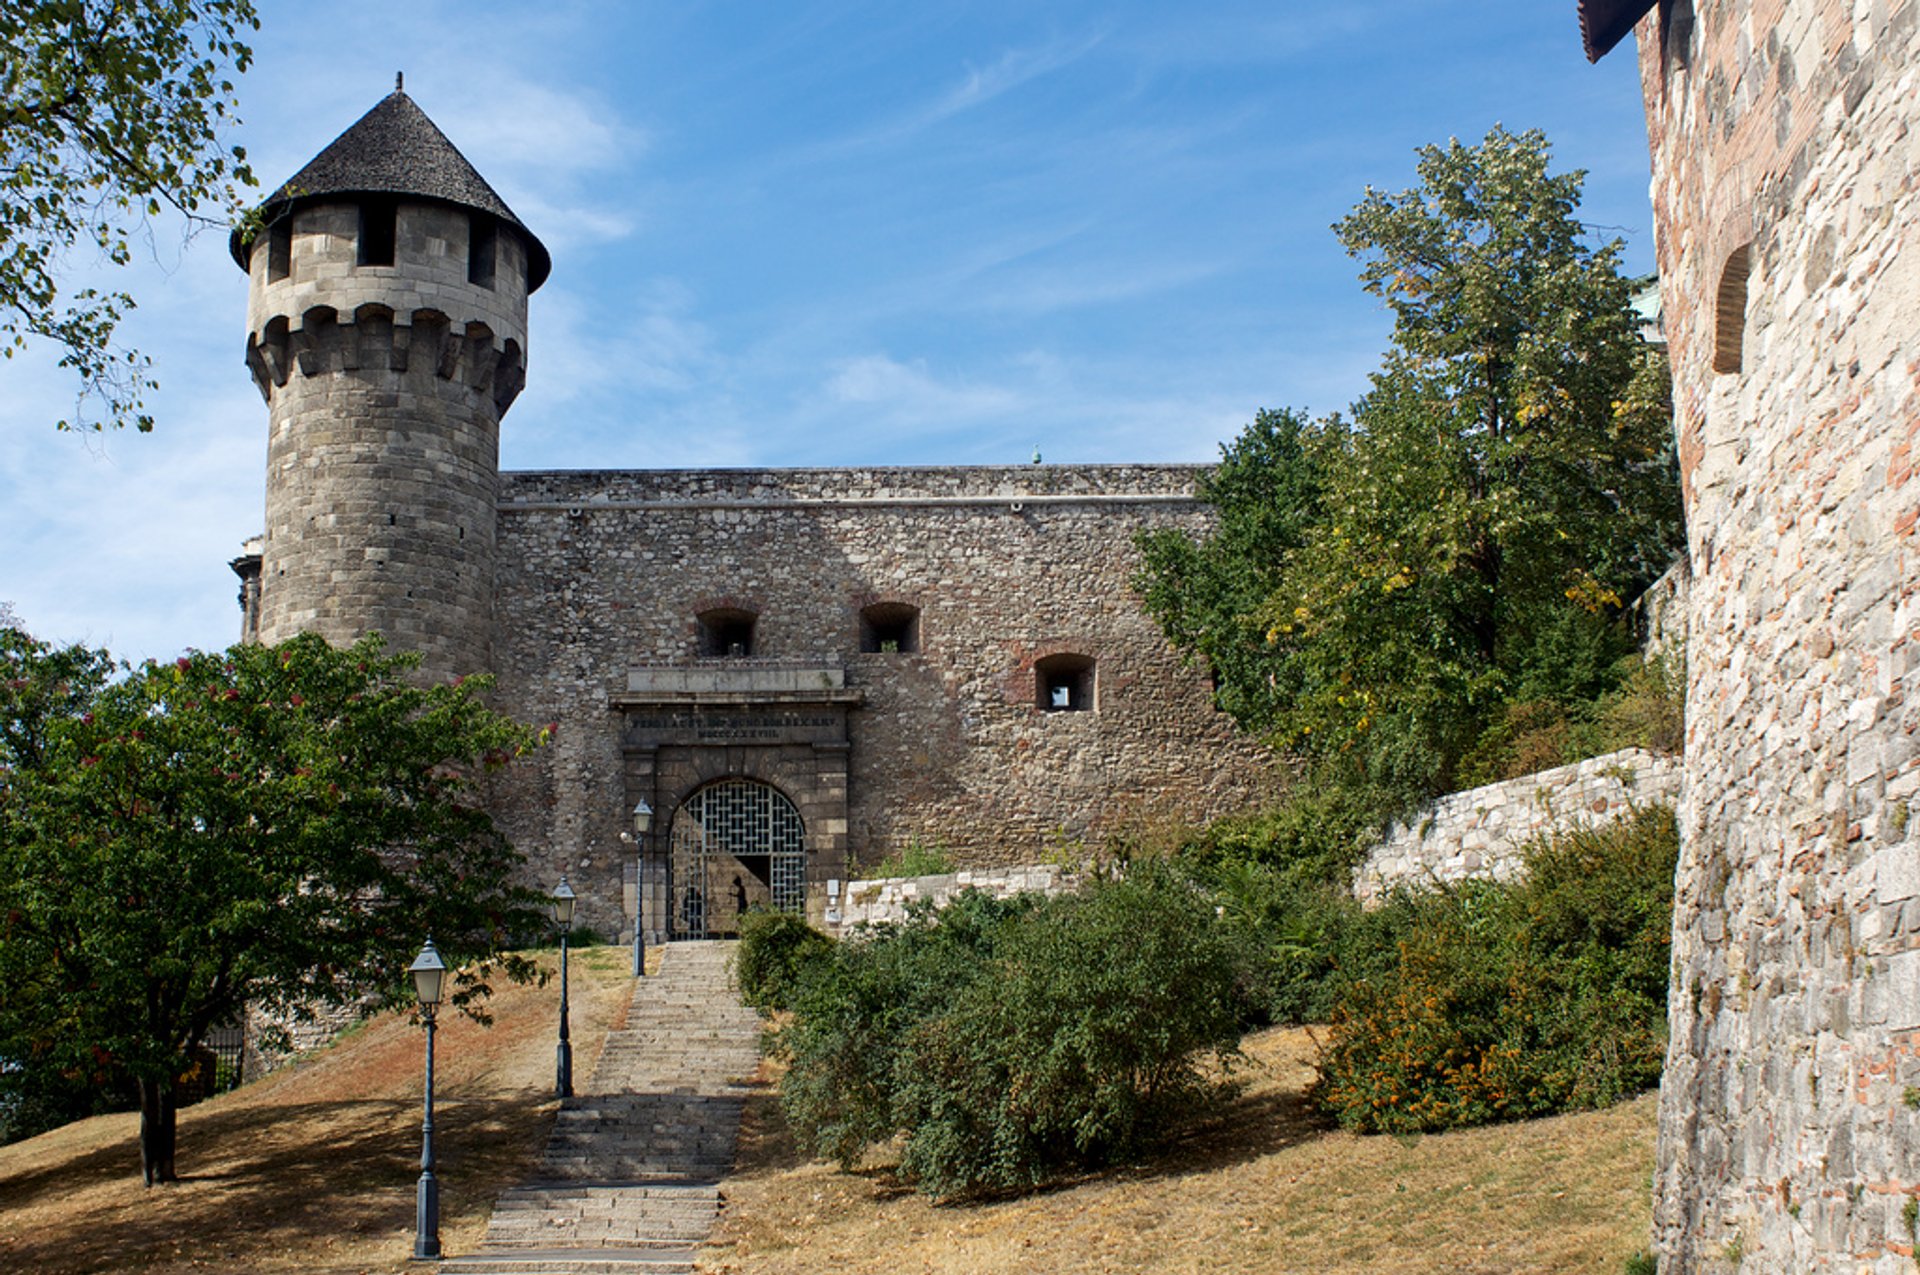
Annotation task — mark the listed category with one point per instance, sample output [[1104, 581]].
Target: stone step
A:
[[627, 1180]]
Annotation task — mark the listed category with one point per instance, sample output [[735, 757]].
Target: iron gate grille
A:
[[736, 841]]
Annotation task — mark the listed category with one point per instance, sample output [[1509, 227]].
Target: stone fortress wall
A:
[[1787, 198], [601, 574]]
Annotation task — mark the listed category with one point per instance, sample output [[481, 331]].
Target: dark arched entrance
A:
[[733, 841]]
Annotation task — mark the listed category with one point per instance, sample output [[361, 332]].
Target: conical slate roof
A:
[[394, 149]]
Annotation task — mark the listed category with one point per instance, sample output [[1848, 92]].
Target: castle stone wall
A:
[[1480, 833], [603, 573], [1787, 202]]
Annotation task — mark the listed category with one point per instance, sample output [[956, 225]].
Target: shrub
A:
[[1011, 1041], [855, 1008], [1502, 1002], [1318, 833], [1083, 1046], [914, 859], [776, 951]]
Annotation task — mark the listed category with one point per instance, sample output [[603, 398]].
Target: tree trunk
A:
[[157, 1118]]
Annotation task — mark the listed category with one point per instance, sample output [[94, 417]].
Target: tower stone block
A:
[[1786, 193]]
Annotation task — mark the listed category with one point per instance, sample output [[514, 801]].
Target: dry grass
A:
[[1264, 1188], [313, 1168]]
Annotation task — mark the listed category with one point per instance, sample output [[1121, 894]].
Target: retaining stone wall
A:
[[1786, 194], [884, 900], [1480, 833]]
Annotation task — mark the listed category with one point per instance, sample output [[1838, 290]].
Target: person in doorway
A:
[[739, 896]]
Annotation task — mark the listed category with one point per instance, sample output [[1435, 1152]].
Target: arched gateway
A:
[[734, 844], [744, 762]]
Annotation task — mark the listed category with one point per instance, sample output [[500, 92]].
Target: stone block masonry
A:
[[603, 578], [1480, 833], [1785, 137], [885, 900]]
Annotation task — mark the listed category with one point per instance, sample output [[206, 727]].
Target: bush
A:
[[1012, 1041], [1503, 1002], [1080, 1049], [776, 952], [912, 860], [855, 1009]]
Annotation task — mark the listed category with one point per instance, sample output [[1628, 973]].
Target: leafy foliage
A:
[[274, 826], [1464, 541], [776, 952], [110, 113], [1208, 594], [1505, 1002], [1013, 1041]]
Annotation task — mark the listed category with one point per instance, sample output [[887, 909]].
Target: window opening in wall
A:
[[379, 217], [280, 249], [482, 238], [726, 632], [891, 628], [1676, 32], [1064, 683], [1730, 311]]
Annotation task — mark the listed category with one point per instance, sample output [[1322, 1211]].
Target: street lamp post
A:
[[642, 822], [563, 917], [429, 973]]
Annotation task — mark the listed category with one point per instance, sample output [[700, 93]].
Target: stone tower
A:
[[1786, 197], [387, 330]]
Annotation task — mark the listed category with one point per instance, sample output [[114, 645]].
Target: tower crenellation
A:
[[387, 332]]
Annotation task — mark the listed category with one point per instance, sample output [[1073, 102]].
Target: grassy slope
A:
[[313, 1168], [1265, 1188]]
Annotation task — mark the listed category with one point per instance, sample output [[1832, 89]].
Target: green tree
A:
[[278, 827], [1208, 594], [110, 113], [1505, 485]]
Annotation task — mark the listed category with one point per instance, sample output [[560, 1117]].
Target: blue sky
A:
[[829, 233]]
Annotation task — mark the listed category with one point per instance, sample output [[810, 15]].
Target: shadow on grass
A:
[[264, 1180], [1235, 1128]]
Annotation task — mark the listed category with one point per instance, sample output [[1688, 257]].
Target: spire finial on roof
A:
[[399, 81]]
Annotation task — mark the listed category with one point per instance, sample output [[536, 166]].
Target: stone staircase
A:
[[629, 1183]]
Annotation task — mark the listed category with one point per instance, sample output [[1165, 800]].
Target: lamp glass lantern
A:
[[642, 817], [429, 976], [562, 904]]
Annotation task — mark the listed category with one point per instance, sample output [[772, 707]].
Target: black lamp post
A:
[[563, 917], [642, 822], [429, 973]]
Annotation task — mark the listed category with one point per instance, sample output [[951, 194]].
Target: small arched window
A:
[[1730, 311], [280, 249], [726, 632], [890, 627], [1064, 683]]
